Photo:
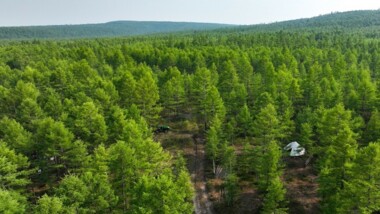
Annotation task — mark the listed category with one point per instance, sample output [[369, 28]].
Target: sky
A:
[[54, 12]]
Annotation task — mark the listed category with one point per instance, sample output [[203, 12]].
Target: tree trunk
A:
[[213, 166]]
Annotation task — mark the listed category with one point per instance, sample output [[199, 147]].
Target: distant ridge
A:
[[361, 21], [351, 20], [109, 29]]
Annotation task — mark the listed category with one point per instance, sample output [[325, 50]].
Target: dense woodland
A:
[[109, 29], [77, 119], [365, 21]]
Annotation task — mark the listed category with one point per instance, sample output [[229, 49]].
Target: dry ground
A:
[[299, 180]]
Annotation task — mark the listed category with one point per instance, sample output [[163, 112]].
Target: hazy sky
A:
[[48, 12]]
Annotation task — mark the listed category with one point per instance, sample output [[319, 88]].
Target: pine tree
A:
[[160, 195], [230, 130], [52, 104], [245, 160], [228, 79], [73, 193], [268, 170], [267, 165], [12, 202], [244, 121], [362, 191], [16, 137], [231, 188], [101, 198], [147, 94], [285, 111], [366, 93], [49, 205], [207, 98], [228, 157], [372, 131], [76, 157], [172, 92], [126, 87], [90, 125], [116, 124], [245, 73], [295, 93], [267, 71], [14, 169], [123, 166], [307, 138], [28, 112], [266, 125], [53, 140], [261, 102], [214, 106], [236, 99], [212, 146], [274, 199], [338, 149]]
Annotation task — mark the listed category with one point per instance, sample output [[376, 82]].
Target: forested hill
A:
[[361, 20], [364, 21], [110, 29], [81, 121]]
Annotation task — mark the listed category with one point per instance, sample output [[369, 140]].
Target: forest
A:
[[78, 120], [363, 21], [103, 30]]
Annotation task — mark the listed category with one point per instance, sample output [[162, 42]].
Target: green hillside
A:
[[193, 122], [365, 21], [110, 29]]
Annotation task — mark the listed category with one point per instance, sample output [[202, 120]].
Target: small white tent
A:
[[295, 149]]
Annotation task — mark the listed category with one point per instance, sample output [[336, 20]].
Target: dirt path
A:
[[202, 203], [301, 184], [194, 151]]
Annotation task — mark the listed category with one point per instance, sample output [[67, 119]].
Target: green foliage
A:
[[268, 170], [12, 202], [285, 111], [147, 94], [207, 98], [362, 191], [86, 193], [231, 188], [73, 192], [172, 92], [266, 126], [126, 87], [340, 146], [161, 195], [54, 140], [49, 205], [213, 144], [76, 117], [14, 169], [214, 104], [110, 29], [228, 157], [244, 121], [14, 174], [307, 138], [90, 125], [372, 132], [267, 165], [101, 197], [15, 135], [245, 162], [274, 198]]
